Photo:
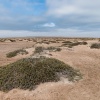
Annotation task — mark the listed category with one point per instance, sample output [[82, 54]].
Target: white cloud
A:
[[49, 25], [59, 8], [67, 14], [57, 32]]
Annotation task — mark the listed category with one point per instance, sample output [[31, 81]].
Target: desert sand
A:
[[81, 57]]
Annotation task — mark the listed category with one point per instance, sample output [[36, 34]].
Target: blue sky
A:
[[71, 18]]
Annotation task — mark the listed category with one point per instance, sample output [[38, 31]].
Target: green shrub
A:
[[95, 45], [83, 43], [66, 42], [14, 53], [58, 49], [39, 49], [12, 40], [29, 72], [75, 44], [71, 44], [51, 48]]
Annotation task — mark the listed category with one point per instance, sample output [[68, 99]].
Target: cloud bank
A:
[[42, 17]]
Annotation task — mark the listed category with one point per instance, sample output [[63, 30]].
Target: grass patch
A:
[[16, 52], [95, 45], [29, 72]]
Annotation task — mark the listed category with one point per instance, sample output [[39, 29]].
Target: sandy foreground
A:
[[80, 57]]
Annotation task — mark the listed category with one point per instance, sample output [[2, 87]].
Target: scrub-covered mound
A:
[[29, 72]]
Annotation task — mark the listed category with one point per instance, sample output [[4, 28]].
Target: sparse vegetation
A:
[[2, 40], [28, 72], [58, 49], [83, 43], [53, 41], [39, 49], [67, 42], [51, 48], [71, 44], [95, 45], [46, 42], [16, 52], [12, 40]]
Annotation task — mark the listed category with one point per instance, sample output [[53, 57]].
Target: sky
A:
[[66, 18]]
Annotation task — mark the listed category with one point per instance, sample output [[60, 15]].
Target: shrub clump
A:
[[95, 45], [16, 52], [66, 42], [58, 49], [29, 72], [12, 40], [51, 48], [71, 44], [39, 49]]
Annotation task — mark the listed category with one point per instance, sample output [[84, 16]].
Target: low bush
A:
[[12, 40], [67, 42], [29, 72], [58, 49], [51, 48], [83, 43], [75, 44], [95, 45], [16, 52], [71, 44], [39, 49]]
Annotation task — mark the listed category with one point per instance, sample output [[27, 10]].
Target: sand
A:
[[80, 57]]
